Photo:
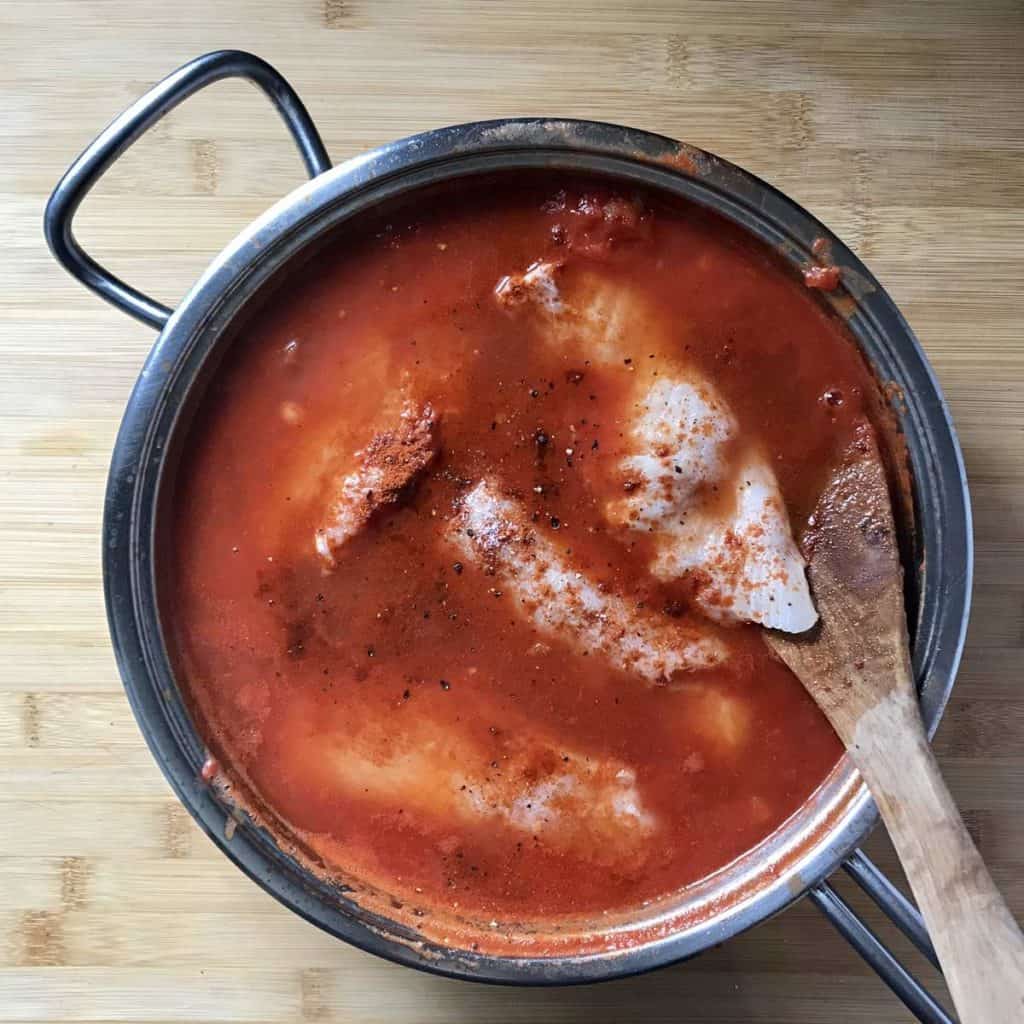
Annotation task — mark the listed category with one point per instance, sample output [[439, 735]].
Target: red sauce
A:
[[398, 644], [825, 279]]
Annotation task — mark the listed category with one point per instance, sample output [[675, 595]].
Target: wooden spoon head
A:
[[858, 653]]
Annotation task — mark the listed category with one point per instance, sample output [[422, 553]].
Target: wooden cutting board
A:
[[900, 127]]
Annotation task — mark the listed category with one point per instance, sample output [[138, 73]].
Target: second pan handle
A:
[[903, 914], [127, 128]]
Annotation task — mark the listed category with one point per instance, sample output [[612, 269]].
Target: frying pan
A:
[[824, 834]]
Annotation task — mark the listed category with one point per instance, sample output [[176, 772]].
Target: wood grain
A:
[[898, 124]]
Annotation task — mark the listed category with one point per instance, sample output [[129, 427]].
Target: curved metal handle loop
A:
[[903, 914], [127, 128]]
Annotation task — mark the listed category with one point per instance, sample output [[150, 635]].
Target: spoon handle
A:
[[977, 940]]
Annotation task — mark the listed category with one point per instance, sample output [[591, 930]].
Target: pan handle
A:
[[127, 128], [903, 914]]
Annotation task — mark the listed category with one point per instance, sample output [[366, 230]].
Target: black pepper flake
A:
[[627, 361], [445, 685], [678, 469], [534, 393], [370, 652], [555, 522], [594, 446], [457, 568], [541, 439], [406, 695], [574, 376]]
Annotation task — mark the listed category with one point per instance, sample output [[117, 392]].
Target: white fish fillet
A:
[[736, 547], [495, 532], [384, 468], [523, 781], [681, 439], [596, 317]]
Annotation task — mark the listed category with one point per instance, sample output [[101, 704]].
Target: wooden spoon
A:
[[856, 665]]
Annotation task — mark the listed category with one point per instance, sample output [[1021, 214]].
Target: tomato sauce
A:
[[393, 703]]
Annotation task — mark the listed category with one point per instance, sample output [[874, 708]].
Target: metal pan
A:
[[824, 834]]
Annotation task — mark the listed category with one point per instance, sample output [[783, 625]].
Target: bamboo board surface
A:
[[901, 126]]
